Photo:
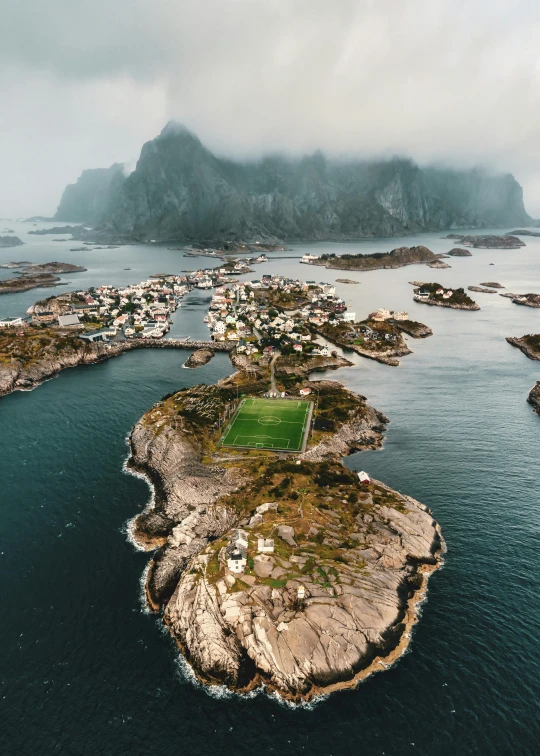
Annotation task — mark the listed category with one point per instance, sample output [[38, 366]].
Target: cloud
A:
[[440, 81]]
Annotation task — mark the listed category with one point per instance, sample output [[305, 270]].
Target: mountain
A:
[[180, 190], [89, 200]]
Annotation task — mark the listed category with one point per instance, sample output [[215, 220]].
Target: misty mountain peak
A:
[[177, 129]]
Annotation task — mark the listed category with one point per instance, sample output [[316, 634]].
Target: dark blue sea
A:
[[84, 669]]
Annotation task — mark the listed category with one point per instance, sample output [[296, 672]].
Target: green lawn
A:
[[276, 424]]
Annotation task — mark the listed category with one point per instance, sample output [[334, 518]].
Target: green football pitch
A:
[[276, 424]]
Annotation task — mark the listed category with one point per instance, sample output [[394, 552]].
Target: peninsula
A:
[[529, 345], [534, 397], [379, 337], [436, 295], [527, 300], [291, 572]]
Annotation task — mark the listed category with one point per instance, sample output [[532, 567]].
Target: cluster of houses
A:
[[423, 294], [141, 309], [238, 313]]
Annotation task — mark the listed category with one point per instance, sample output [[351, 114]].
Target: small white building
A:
[[265, 545], [301, 593], [12, 323], [305, 391], [307, 258], [401, 316], [363, 477], [236, 560], [348, 317]]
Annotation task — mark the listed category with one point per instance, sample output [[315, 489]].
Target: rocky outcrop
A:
[[440, 264], [180, 190], [198, 358], [413, 328], [10, 241], [459, 252], [88, 200], [534, 397], [183, 515], [339, 632], [529, 345], [482, 289], [26, 283], [489, 241], [526, 300], [492, 285]]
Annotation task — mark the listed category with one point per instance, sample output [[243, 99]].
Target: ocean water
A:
[[85, 670]]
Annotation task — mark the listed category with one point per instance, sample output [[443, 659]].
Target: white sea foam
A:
[[128, 528], [186, 674]]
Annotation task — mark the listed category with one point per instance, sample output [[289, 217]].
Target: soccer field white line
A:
[[281, 445]]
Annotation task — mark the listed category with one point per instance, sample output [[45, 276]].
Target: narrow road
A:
[[272, 373]]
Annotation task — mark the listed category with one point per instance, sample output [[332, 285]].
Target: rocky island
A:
[[523, 232], [199, 357], [482, 289], [459, 252], [397, 258], [434, 294], [488, 241], [37, 276], [10, 241], [282, 571], [527, 300], [492, 285]]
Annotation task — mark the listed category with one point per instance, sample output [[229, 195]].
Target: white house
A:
[[348, 317], [220, 327], [307, 258], [236, 560], [363, 477], [401, 316], [305, 391]]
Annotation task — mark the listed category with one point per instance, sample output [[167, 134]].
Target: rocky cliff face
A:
[[88, 200], [181, 190]]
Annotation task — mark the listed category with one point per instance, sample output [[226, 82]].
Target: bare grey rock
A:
[[287, 534]]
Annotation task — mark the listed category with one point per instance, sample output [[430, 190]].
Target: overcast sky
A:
[[83, 85]]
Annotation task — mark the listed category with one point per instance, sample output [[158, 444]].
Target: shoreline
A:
[[380, 663], [167, 598], [93, 353]]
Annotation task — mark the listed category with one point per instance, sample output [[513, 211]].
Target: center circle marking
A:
[[269, 420]]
